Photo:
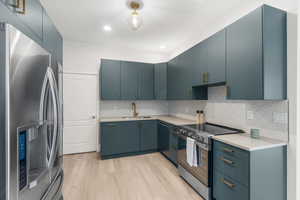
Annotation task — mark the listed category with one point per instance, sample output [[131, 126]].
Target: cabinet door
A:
[[244, 57], [148, 133], [199, 63], [146, 81], [186, 73], [129, 80], [129, 137], [163, 137], [109, 139], [156, 81], [118, 138], [33, 16], [173, 83], [110, 79], [161, 81], [216, 60]]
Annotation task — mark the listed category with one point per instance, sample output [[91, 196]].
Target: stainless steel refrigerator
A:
[[30, 119]]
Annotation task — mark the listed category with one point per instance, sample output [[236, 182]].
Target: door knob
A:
[[93, 117]]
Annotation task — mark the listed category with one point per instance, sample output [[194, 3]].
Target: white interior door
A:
[[80, 113]]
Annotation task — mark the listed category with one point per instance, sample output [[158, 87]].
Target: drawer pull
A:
[[111, 124], [227, 161], [231, 185], [228, 150]]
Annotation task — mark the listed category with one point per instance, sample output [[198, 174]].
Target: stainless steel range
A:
[[200, 177]]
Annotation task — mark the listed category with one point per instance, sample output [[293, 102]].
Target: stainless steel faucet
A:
[[135, 114]]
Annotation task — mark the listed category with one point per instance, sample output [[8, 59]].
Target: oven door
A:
[[201, 172]]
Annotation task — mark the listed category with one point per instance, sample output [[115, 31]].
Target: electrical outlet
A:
[[250, 115], [280, 118]]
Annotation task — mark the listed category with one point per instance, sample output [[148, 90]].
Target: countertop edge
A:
[[268, 146], [163, 118]]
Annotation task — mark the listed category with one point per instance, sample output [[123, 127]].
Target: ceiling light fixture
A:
[[162, 47], [107, 28], [135, 20]]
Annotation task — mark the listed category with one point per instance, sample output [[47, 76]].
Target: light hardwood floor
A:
[[145, 177]]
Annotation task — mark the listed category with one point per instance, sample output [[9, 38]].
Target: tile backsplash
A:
[[123, 108], [269, 116]]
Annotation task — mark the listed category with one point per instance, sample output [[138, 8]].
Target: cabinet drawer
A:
[[234, 167], [230, 150], [226, 188]]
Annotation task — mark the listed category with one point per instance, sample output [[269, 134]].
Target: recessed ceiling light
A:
[[162, 47], [107, 28]]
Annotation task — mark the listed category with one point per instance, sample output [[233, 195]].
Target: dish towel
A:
[[191, 152]]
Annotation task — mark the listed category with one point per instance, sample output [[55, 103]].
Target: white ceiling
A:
[[172, 23]]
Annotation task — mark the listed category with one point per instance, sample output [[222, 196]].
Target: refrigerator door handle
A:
[[50, 84]]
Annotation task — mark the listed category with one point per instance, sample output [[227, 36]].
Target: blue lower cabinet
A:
[[128, 138], [227, 188], [249, 175], [148, 133], [119, 138], [163, 137]]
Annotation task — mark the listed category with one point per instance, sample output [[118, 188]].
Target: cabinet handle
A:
[[207, 77], [231, 185], [227, 161], [111, 124], [18, 6], [228, 150]]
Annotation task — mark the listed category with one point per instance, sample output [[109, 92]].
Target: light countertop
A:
[[165, 118], [244, 141]]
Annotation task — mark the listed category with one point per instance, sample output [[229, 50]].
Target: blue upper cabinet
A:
[[216, 59], [30, 14], [123, 80], [146, 81], [172, 73], [208, 60], [35, 23], [110, 79], [160, 81], [52, 40], [256, 56], [129, 80]]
